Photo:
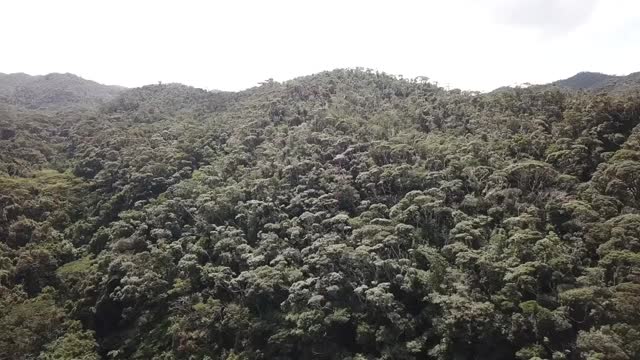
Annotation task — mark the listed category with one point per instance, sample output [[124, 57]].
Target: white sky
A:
[[232, 45]]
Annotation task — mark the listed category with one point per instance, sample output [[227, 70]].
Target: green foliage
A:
[[345, 215], [74, 344], [26, 325]]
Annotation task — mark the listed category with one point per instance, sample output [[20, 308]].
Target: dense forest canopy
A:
[[348, 214]]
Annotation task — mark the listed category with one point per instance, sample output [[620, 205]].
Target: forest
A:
[[349, 214]]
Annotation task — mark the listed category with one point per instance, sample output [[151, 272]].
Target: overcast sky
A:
[[232, 45]]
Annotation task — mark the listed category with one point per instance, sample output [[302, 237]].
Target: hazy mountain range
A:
[[56, 91]]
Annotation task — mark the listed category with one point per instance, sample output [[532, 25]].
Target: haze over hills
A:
[[348, 214], [589, 81], [599, 82], [586, 80], [53, 90]]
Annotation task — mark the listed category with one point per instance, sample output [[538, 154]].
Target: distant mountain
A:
[[593, 81], [586, 80], [53, 91], [589, 81]]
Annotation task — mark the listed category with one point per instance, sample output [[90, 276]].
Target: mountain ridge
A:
[[68, 88]]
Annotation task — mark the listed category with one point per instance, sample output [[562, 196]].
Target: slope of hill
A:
[[344, 215], [53, 91]]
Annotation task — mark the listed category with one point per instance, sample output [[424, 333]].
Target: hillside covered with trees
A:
[[348, 214]]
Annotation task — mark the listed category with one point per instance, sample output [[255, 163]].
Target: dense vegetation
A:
[[344, 215]]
